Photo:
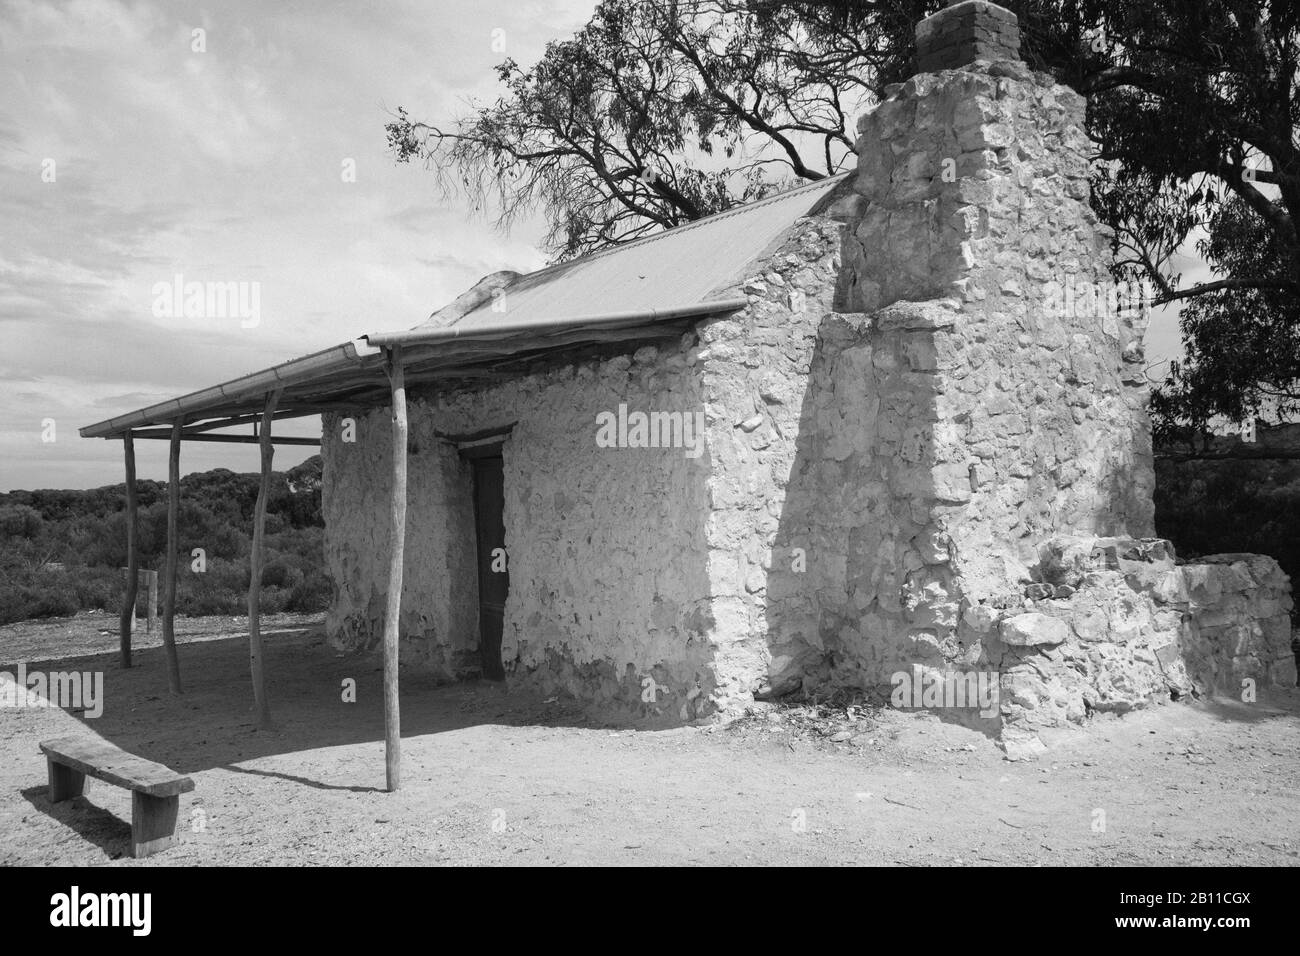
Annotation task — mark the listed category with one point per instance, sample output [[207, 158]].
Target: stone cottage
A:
[[850, 432]]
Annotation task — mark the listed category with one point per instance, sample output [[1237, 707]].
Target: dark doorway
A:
[[493, 568]]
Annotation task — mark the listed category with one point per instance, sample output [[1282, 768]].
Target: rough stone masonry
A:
[[1028, 495], [917, 454]]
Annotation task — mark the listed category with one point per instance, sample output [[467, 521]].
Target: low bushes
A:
[[63, 551]]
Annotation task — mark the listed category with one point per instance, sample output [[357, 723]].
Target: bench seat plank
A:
[[100, 759]]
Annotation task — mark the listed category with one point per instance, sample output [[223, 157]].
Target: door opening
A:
[[493, 567]]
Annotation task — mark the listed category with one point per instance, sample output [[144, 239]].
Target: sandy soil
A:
[[496, 779]]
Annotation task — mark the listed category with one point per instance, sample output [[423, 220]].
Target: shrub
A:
[[13, 604], [96, 589], [19, 521], [313, 593], [86, 531], [49, 600]]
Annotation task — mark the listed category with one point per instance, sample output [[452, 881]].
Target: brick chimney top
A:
[[963, 32]]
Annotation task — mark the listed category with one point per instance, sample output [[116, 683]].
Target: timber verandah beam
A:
[[249, 419], [366, 386], [195, 427], [230, 439], [201, 430]]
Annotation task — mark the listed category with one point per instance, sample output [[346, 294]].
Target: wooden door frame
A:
[[491, 449]]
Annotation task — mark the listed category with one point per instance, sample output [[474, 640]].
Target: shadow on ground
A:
[[305, 680], [92, 823]]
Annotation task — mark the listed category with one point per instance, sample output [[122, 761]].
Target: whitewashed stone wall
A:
[[606, 546], [624, 563], [758, 379], [438, 626]]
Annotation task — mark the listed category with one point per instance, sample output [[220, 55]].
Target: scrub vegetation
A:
[[64, 551]]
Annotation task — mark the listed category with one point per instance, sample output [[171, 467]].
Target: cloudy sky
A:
[[128, 157], [222, 165]]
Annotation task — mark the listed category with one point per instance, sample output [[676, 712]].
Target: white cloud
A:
[[223, 166]]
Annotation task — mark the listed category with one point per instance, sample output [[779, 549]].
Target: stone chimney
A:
[[1004, 385], [966, 31], [973, 194]]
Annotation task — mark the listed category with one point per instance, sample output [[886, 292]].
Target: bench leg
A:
[[65, 783], [153, 823]]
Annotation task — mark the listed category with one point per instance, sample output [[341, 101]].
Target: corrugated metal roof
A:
[[671, 269]]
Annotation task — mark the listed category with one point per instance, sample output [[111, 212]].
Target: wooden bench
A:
[[155, 789]]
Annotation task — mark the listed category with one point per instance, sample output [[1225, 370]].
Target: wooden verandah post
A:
[[173, 542], [255, 653], [151, 611], [132, 553], [397, 547]]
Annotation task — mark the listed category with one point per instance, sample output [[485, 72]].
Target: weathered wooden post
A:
[[397, 547], [151, 612], [169, 582], [127, 620], [255, 652]]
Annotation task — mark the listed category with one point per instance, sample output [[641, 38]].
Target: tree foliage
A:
[[655, 114], [1195, 107]]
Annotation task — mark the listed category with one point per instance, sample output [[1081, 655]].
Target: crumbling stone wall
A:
[[1240, 626], [1115, 624]]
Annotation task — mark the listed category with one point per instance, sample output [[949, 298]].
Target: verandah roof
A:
[[645, 289], [352, 375]]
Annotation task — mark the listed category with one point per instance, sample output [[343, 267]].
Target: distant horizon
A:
[[277, 467]]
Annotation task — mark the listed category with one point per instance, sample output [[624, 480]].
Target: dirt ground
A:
[[496, 779]]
